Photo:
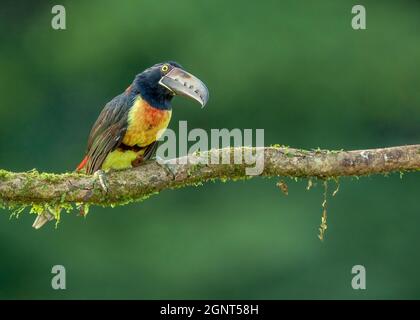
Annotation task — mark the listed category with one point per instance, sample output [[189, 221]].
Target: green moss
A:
[[194, 169], [16, 212], [196, 178], [337, 182], [4, 174], [310, 184], [37, 209], [323, 226], [124, 200], [334, 151]]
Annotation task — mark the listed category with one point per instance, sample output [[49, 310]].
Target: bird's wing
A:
[[150, 150], [108, 132]]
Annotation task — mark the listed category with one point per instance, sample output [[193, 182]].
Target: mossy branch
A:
[[45, 189]]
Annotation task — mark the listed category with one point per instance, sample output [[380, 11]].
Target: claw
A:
[[169, 167], [100, 176]]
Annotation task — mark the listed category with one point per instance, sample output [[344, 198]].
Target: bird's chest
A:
[[145, 124]]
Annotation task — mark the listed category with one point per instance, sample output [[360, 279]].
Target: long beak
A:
[[182, 83]]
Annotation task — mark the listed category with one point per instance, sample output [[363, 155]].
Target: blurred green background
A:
[[294, 68]]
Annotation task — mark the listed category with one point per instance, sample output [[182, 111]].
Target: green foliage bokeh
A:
[[293, 68]]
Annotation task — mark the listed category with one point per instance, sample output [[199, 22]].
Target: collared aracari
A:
[[126, 132]]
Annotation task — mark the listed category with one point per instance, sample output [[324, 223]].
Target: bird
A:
[[127, 130]]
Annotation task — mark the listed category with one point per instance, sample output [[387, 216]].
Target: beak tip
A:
[[204, 101], [182, 83]]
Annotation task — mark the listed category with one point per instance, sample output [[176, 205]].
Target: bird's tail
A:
[[82, 164], [42, 219], [46, 216]]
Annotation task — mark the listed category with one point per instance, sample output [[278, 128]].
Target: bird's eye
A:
[[165, 68]]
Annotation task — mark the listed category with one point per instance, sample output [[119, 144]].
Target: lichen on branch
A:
[[65, 190]]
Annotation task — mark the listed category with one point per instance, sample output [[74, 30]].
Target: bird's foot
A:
[[138, 161], [171, 168], [100, 176]]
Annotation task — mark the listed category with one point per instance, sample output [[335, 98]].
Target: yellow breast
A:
[[145, 124], [120, 159]]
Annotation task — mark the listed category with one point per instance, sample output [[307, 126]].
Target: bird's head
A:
[[161, 82]]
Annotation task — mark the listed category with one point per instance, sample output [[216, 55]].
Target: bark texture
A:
[[33, 188]]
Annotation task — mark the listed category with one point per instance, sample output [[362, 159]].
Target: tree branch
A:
[[33, 188]]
